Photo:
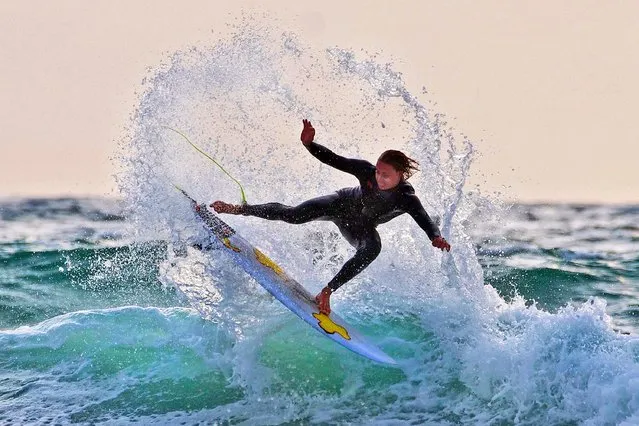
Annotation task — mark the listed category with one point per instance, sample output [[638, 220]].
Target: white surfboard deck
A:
[[285, 289]]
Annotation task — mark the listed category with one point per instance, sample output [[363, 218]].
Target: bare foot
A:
[[323, 301], [222, 207]]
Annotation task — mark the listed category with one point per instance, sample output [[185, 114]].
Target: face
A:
[[387, 176]]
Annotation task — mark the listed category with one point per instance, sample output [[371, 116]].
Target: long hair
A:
[[400, 162]]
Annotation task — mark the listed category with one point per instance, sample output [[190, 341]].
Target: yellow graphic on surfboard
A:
[[266, 261], [330, 327], [227, 244]]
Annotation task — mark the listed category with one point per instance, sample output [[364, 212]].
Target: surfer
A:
[[383, 194]]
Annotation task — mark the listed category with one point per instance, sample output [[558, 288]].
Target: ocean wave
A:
[[90, 366], [38, 285], [94, 209]]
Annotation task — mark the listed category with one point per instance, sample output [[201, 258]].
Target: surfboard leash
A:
[[198, 149]]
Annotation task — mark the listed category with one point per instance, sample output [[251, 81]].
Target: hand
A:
[[308, 132], [441, 243]]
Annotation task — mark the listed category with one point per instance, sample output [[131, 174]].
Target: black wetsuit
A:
[[356, 211]]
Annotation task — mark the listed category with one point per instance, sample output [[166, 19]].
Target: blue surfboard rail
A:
[[284, 288]]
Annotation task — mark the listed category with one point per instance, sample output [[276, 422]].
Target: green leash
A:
[[210, 158]]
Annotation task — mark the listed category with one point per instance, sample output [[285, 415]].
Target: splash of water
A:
[[466, 354]]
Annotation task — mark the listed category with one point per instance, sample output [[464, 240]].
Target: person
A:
[[383, 194]]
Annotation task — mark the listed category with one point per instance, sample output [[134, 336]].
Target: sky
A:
[[546, 90]]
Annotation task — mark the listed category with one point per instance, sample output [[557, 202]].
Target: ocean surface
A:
[[109, 314], [96, 327]]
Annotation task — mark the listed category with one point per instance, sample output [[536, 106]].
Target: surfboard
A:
[[284, 288]]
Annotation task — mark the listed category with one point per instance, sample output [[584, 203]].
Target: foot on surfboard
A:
[[323, 301], [222, 207]]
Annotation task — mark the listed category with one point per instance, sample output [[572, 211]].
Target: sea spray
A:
[[467, 356]]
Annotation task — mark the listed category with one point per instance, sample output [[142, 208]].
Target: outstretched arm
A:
[[416, 210], [326, 156]]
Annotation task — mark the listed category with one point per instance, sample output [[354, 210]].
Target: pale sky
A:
[[547, 90]]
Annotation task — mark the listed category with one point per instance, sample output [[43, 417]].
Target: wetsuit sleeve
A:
[[349, 165], [414, 208]]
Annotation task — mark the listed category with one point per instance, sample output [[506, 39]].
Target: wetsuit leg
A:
[[329, 207], [325, 207], [368, 244]]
